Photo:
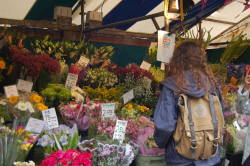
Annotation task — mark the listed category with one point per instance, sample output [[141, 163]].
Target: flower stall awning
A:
[[217, 16]]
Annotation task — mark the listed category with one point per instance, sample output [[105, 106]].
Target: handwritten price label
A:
[[145, 65], [25, 86], [128, 96], [108, 110], [83, 61], [35, 125], [10, 91], [50, 117], [71, 80], [120, 130]]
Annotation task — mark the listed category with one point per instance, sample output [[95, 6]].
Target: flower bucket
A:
[[150, 160]]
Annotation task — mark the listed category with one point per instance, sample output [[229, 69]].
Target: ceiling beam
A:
[[219, 21], [220, 34], [132, 20], [39, 24], [155, 24]]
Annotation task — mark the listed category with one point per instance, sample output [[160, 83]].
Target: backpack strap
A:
[[214, 120], [191, 126]]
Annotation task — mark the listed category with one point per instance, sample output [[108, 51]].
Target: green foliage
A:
[[235, 49], [143, 93], [151, 55], [70, 51], [55, 94], [158, 74], [186, 34]]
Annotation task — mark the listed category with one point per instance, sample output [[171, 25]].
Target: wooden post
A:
[[82, 21]]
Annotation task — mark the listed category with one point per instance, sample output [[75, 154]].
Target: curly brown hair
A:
[[190, 56]]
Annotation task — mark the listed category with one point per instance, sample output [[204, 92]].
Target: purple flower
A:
[[64, 140], [45, 140]]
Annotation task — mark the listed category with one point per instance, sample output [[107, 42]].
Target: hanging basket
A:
[[150, 160]]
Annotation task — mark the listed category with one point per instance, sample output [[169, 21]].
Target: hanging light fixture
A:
[[173, 6]]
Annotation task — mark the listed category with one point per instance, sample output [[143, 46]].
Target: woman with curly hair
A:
[[188, 74]]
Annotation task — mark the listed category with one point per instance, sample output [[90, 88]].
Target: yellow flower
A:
[[26, 146], [13, 99], [36, 98], [144, 108], [41, 107], [20, 131], [129, 106], [2, 64]]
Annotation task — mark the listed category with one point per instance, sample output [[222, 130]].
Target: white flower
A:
[[22, 106], [30, 163], [3, 102]]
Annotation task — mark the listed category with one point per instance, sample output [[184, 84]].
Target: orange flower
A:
[[2, 64], [41, 107], [13, 99], [129, 106], [36, 98]]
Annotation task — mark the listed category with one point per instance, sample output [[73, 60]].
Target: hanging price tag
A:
[[128, 96], [71, 80], [83, 61], [35, 125], [145, 65], [120, 130], [50, 117], [10, 91], [108, 110], [166, 44], [25, 86]]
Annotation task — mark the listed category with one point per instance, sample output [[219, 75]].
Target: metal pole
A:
[[166, 5], [82, 20]]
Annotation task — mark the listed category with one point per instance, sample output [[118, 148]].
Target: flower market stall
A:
[[66, 98], [68, 103]]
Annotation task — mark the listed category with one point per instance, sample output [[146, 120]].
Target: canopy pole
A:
[[82, 20], [167, 21]]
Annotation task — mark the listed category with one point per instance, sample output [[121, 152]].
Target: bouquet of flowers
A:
[[14, 145], [61, 138], [100, 77], [103, 93], [107, 127], [69, 157], [109, 153], [34, 64], [56, 94], [158, 74], [25, 105], [134, 110], [145, 140], [75, 113]]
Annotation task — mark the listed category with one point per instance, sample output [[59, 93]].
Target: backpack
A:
[[199, 127]]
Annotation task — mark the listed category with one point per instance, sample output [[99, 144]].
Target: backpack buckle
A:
[[193, 145]]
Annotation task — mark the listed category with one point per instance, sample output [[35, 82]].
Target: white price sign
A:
[[71, 80], [128, 96], [145, 65], [10, 91], [83, 61], [25, 86], [35, 125], [50, 117], [120, 130], [108, 110], [166, 44]]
